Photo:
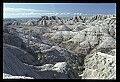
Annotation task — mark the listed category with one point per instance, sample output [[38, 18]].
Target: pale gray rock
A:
[[60, 36], [109, 44], [112, 31], [44, 47], [48, 35], [56, 54], [15, 23], [100, 66], [29, 23], [60, 70], [90, 35], [55, 27], [8, 76], [63, 28], [44, 21], [79, 28], [50, 56], [79, 35], [112, 52]]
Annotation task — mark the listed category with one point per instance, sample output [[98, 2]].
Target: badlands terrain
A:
[[80, 47]]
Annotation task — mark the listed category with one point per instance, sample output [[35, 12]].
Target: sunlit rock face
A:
[[63, 28], [44, 21], [100, 66], [60, 70]]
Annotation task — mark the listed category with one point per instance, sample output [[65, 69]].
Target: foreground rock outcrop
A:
[[14, 66], [100, 66], [60, 70]]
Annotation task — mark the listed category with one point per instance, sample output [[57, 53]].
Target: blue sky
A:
[[24, 10]]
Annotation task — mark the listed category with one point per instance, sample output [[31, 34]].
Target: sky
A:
[[29, 10]]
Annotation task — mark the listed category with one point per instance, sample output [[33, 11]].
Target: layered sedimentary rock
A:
[[15, 64], [44, 21], [12, 40], [100, 66], [60, 70], [12, 65], [51, 47]]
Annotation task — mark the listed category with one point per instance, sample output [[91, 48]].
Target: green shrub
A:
[[25, 29]]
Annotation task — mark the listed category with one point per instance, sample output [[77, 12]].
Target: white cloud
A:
[[35, 14], [8, 9], [45, 13]]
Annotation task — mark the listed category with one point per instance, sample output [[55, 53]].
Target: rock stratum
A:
[[80, 47]]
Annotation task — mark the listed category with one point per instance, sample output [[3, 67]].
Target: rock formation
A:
[[81, 47], [100, 66]]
